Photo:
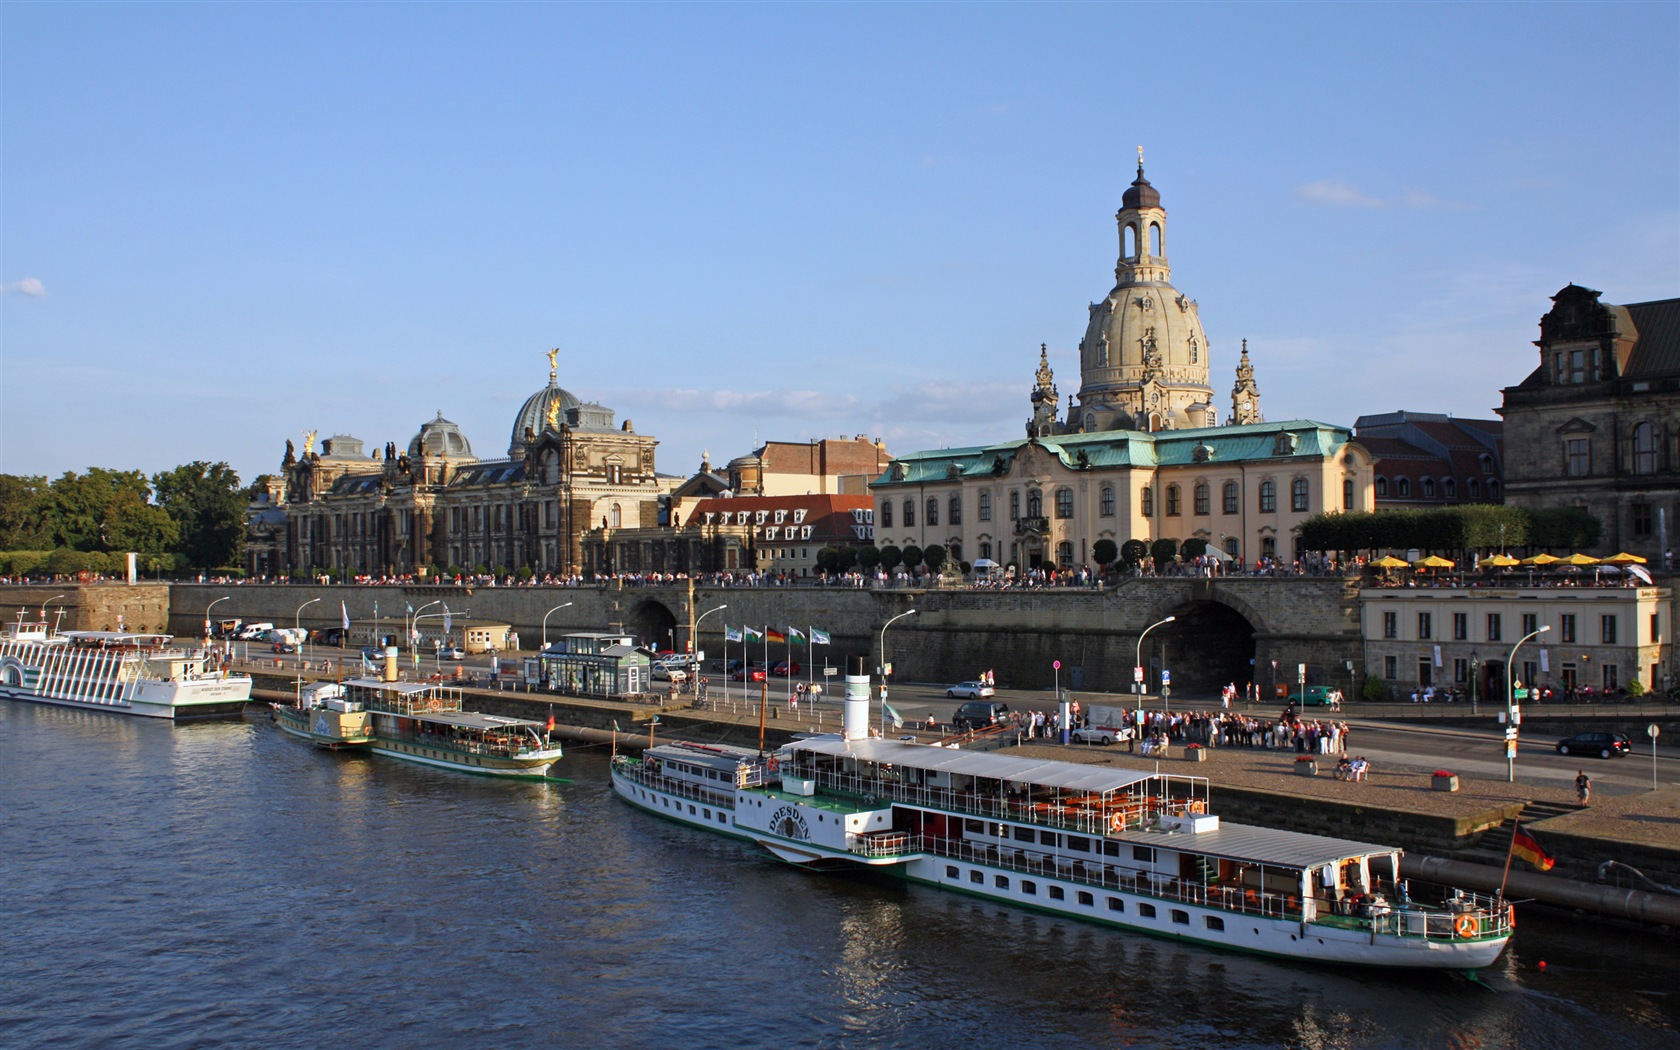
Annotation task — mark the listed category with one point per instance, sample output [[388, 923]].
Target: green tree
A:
[[912, 557], [891, 557], [1194, 547], [1162, 551], [207, 504], [23, 508], [1104, 552], [934, 556], [107, 510], [868, 557], [1133, 551]]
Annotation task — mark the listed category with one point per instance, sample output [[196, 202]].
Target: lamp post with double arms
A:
[[297, 628], [1511, 684], [889, 623]]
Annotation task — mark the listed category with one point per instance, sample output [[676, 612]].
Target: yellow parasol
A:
[[1579, 559], [1389, 561], [1541, 559], [1624, 558], [1434, 561], [1500, 561]]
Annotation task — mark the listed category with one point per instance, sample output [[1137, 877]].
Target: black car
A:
[[1604, 745]]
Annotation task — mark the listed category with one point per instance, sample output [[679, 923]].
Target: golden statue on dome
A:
[[309, 441]]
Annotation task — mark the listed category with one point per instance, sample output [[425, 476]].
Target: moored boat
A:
[[1125, 848], [418, 722], [126, 672]]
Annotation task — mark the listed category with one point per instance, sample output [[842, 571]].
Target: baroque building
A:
[[435, 505], [1596, 424], [1140, 454]]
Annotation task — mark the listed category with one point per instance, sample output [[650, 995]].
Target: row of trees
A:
[[190, 517], [1454, 530]]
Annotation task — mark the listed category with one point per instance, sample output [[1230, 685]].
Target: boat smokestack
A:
[[391, 674], [854, 724]]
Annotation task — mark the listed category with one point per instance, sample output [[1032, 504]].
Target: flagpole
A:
[[1516, 823], [811, 658]]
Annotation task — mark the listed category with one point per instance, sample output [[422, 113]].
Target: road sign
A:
[[1653, 730], [1057, 664], [1166, 679], [1137, 674], [830, 672], [1510, 732], [1520, 694]]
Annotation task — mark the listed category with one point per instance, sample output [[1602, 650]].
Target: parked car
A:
[[1604, 745], [784, 669], [748, 674], [1103, 735], [452, 652], [978, 714], [285, 647], [1317, 696], [970, 691], [664, 672], [372, 652]]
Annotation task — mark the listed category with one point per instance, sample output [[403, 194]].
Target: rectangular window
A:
[[1461, 670], [1611, 680], [1426, 671], [1566, 627], [1181, 916], [1201, 499], [1057, 893], [1001, 882], [1607, 629], [1086, 899], [1461, 626], [1577, 457], [1495, 627], [1391, 667], [976, 876], [1107, 504], [1172, 501], [1024, 835], [1530, 623], [1015, 506], [1146, 854], [1640, 515], [1230, 497], [1656, 628], [1214, 923], [1425, 625], [1029, 888], [985, 506], [1391, 625]]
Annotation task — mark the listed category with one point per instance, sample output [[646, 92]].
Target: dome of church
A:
[[550, 406], [1141, 194], [439, 437]]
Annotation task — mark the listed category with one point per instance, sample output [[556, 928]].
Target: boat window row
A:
[[704, 812], [1085, 898]]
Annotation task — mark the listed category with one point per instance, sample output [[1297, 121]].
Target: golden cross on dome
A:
[[1140, 158]]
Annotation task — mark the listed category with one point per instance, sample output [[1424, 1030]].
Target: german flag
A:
[[1528, 848], [775, 636]]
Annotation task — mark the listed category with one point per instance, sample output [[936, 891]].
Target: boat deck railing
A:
[[1083, 813], [636, 769]]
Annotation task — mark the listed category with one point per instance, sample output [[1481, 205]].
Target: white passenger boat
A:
[[126, 672], [1125, 848], [419, 722]]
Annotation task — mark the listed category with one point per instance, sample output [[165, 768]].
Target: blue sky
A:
[[222, 225]]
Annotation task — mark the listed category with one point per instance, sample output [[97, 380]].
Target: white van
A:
[[253, 631]]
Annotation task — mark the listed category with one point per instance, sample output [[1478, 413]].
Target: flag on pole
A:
[[345, 612], [793, 632], [730, 634], [819, 637], [1528, 848], [447, 620], [775, 635], [753, 635], [897, 719]]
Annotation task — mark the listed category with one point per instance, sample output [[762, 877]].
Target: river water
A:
[[222, 885]]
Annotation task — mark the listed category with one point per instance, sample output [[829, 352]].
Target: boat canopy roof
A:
[[475, 720], [1071, 776], [1247, 844], [115, 638]]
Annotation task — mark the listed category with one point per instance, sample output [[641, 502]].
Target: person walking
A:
[[1583, 786]]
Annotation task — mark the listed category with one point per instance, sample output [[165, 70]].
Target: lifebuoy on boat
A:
[[1465, 926], [1197, 805], [772, 765], [433, 705], [1117, 822]]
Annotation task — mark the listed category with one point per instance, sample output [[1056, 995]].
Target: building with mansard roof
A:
[[1427, 459], [1596, 424], [434, 505], [1140, 453]]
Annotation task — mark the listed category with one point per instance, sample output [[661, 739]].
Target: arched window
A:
[[956, 509], [1493, 488], [1155, 240], [1129, 241], [1298, 494], [1107, 501], [1231, 546], [909, 513], [1091, 417], [1172, 501], [1035, 504], [616, 516], [886, 514], [1064, 503], [986, 549], [1015, 505], [1449, 488], [1064, 554], [1230, 497], [1382, 488], [1201, 496], [1644, 449], [1146, 499], [1403, 488], [985, 506], [932, 510], [1428, 485], [1268, 497]]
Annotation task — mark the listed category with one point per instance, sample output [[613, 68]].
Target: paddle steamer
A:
[[418, 722], [1126, 848], [126, 672]]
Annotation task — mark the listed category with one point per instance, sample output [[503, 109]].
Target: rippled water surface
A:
[[224, 885]]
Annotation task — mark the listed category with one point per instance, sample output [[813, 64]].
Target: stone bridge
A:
[[1228, 629]]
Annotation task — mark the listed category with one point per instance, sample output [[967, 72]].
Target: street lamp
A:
[[546, 615], [48, 602], [889, 623], [414, 622], [1475, 664], [1511, 681], [207, 608], [1138, 664], [694, 639], [297, 628]]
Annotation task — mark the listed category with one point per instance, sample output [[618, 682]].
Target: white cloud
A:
[[1334, 194], [27, 286]]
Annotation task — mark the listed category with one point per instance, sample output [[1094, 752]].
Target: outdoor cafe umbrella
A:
[[1542, 559], [1578, 560], [1434, 561], [1500, 561], [1624, 558], [1389, 561]]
